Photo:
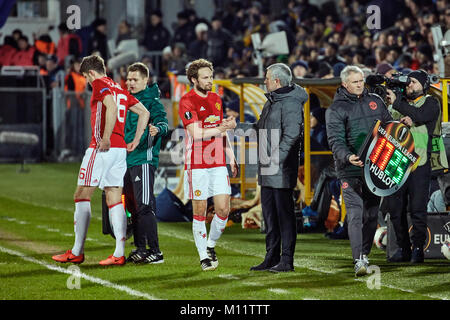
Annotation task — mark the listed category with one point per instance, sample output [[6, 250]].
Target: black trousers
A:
[[412, 197], [362, 215], [141, 202], [279, 217]]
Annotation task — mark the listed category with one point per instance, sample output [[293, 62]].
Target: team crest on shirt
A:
[[197, 193], [218, 106], [212, 119]]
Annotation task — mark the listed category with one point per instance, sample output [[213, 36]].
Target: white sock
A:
[[82, 218], [118, 219], [218, 225], [199, 231]]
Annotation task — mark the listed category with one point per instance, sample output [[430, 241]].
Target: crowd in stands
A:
[[322, 40]]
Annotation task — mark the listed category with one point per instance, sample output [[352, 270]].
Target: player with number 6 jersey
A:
[[104, 163]]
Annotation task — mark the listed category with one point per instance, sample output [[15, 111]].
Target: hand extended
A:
[[229, 123], [407, 121], [354, 160], [391, 97], [153, 130]]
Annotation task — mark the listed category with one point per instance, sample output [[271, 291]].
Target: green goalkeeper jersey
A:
[[149, 147]]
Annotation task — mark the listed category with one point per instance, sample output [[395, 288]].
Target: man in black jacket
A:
[[349, 119], [424, 115], [278, 130]]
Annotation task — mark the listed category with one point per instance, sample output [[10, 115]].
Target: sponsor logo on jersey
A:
[[212, 119], [202, 108]]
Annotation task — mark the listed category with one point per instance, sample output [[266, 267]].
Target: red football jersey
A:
[[208, 113], [100, 89]]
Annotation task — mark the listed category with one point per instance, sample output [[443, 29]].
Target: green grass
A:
[[36, 220]]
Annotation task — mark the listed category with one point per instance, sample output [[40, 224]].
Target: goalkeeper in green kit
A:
[[142, 164]]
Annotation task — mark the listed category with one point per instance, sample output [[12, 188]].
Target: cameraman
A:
[[422, 113]]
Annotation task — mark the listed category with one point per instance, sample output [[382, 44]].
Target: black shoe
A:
[[401, 255], [212, 256], [265, 265], [417, 255], [138, 256], [206, 265], [155, 258], [282, 267]]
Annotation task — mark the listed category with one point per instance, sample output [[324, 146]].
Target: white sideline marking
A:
[[278, 291], [228, 246], [99, 281]]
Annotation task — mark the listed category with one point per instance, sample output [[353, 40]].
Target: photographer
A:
[[422, 113]]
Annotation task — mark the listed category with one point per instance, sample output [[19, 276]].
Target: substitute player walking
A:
[[206, 174], [104, 163]]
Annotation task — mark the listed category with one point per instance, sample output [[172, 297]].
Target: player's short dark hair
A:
[[141, 68], [93, 62], [194, 66]]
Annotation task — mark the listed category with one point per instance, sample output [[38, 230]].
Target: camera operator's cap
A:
[[422, 77], [384, 68]]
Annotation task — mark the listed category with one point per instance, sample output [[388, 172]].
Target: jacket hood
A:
[[294, 91], [343, 95]]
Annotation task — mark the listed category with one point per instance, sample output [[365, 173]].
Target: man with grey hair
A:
[[278, 131], [349, 120]]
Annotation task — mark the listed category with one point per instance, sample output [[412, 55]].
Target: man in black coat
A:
[[349, 120], [278, 131]]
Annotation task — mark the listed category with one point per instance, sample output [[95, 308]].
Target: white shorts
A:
[[103, 169], [200, 184]]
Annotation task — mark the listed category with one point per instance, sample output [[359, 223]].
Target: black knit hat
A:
[[422, 77]]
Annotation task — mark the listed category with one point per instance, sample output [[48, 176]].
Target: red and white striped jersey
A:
[[124, 100]]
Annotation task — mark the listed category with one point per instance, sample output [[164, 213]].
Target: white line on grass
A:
[[95, 280], [228, 246]]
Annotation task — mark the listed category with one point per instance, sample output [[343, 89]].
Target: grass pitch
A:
[[36, 222]]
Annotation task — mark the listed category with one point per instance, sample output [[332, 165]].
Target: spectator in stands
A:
[[24, 56], [98, 39], [69, 44], [7, 51], [232, 109], [385, 69], [184, 31], [157, 37], [299, 69], [75, 83], [178, 60], [16, 34], [318, 129], [199, 48], [219, 43], [55, 72], [124, 32]]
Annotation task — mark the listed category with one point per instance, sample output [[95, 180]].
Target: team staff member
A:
[[349, 120], [206, 174], [142, 164], [424, 114], [104, 163], [278, 131]]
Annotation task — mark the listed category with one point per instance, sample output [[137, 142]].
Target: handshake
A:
[[228, 124]]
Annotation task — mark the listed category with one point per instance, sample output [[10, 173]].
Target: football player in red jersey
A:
[[206, 174], [104, 163]]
